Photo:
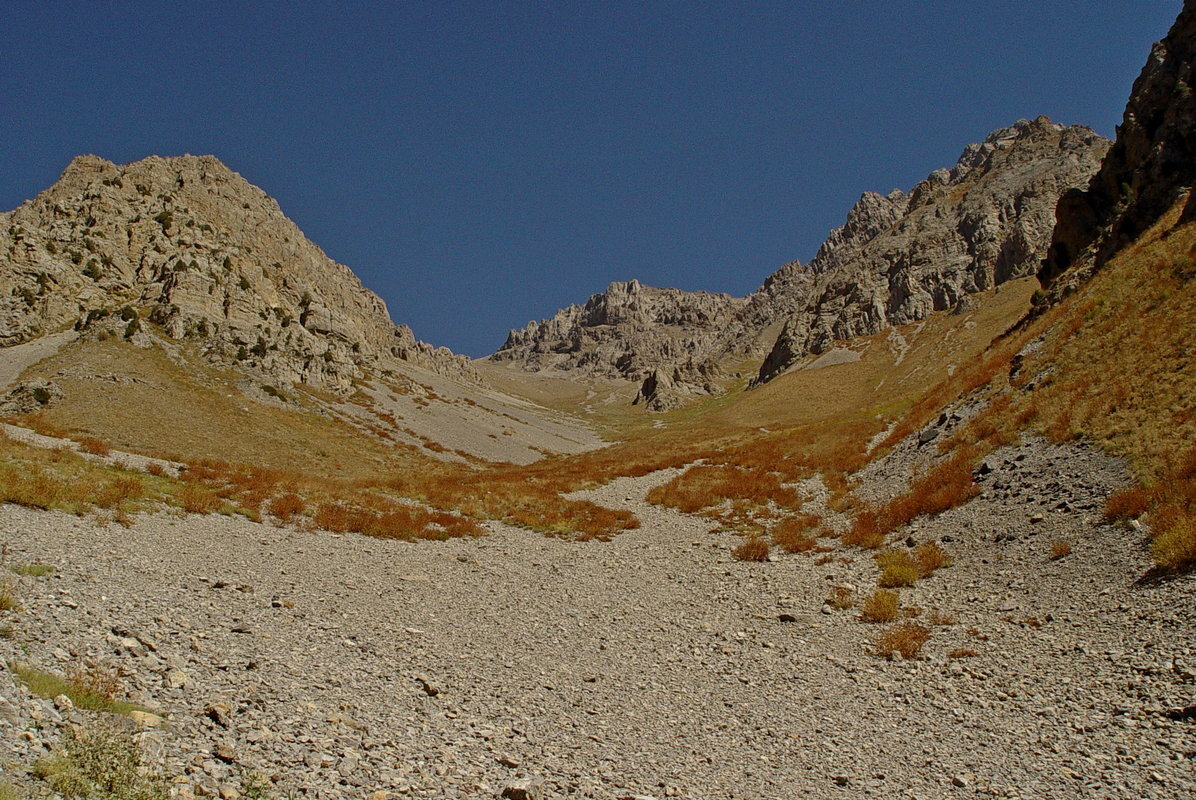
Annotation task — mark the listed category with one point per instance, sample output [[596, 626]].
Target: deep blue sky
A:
[[480, 164]]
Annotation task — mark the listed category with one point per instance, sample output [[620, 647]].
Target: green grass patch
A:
[[84, 693], [33, 570]]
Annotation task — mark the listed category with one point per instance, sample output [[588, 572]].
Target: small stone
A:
[[63, 703], [228, 792], [219, 712], [429, 688], [524, 790], [961, 780], [177, 679], [1036, 518]]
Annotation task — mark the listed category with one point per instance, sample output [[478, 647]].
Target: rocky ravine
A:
[[191, 246], [651, 666]]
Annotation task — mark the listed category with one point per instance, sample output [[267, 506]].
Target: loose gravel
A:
[[654, 665]]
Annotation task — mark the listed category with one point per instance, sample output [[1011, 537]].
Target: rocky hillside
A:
[[1150, 167], [624, 332], [985, 221], [189, 246]]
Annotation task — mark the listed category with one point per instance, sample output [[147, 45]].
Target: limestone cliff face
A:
[[626, 332], [964, 230], [1150, 166], [189, 245]]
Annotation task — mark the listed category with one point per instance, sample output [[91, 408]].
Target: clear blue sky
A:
[[480, 164]]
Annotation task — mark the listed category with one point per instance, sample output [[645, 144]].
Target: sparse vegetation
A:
[[840, 598], [92, 687], [882, 606], [792, 533], [94, 446], [754, 548], [8, 599], [897, 568], [33, 570], [99, 762], [904, 638], [1060, 548], [929, 557]]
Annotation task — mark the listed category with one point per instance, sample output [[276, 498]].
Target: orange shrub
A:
[[792, 533], [286, 506], [752, 549], [905, 638], [929, 557]]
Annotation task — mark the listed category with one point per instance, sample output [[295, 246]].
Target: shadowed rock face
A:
[[190, 245], [624, 332], [960, 231], [1150, 166]]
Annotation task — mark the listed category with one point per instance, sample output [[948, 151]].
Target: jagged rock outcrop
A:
[[187, 244], [670, 386], [627, 332], [964, 230], [1147, 170]]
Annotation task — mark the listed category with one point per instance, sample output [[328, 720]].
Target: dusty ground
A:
[[651, 666]]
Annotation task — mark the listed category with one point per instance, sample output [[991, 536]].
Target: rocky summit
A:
[[625, 332], [191, 246], [897, 258]]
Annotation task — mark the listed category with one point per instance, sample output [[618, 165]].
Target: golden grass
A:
[[881, 606], [897, 569]]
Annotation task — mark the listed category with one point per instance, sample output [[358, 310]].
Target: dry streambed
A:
[[654, 665]]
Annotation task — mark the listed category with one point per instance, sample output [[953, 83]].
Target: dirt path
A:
[[18, 358]]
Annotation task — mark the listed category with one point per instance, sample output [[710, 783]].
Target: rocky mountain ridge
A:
[[960, 231], [189, 246], [897, 258], [625, 332]]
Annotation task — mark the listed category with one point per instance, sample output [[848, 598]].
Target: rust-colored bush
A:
[[929, 557], [793, 534], [286, 506], [1059, 549], [753, 549], [1128, 503], [906, 638]]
